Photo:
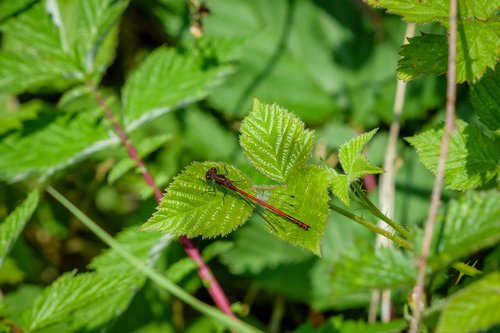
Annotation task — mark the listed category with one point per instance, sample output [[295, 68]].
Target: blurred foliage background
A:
[[332, 63]]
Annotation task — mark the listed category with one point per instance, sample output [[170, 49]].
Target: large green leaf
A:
[[473, 158], [275, 141], [478, 42], [474, 308], [53, 145], [167, 80], [471, 224], [58, 43], [194, 208], [437, 10], [14, 224], [33, 54], [415, 11], [84, 300], [363, 270], [485, 97]]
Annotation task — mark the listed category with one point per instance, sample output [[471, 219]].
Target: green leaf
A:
[[33, 54], [254, 250], [437, 10], [472, 157], [53, 145], [415, 11], [194, 208], [423, 55], [363, 270], [472, 223], [55, 44], [340, 188], [305, 198], [12, 117], [83, 300], [474, 308], [167, 80], [92, 26], [478, 46], [485, 97], [275, 141], [13, 225], [355, 165]]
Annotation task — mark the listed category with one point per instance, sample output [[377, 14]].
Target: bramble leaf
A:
[[194, 208], [308, 187], [478, 46], [340, 188], [57, 44], [167, 80], [473, 159], [437, 10], [415, 11], [472, 223], [82, 300], [355, 165], [485, 97], [474, 308], [423, 55], [275, 141], [385, 268], [14, 224], [53, 145]]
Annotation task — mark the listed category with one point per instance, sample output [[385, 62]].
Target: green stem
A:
[[401, 242], [375, 211], [155, 276]]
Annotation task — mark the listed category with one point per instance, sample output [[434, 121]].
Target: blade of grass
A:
[[155, 276]]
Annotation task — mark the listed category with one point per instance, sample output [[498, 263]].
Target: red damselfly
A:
[[213, 176]]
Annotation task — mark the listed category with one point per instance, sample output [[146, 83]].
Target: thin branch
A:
[[387, 189], [438, 183], [192, 251], [401, 242]]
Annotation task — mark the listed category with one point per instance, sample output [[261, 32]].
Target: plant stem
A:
[[151, 273], [387, 189], [206, 276], [401, 242], [375, 211], [438, 182]]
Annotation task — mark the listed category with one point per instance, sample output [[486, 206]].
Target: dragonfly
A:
[[213, 176]]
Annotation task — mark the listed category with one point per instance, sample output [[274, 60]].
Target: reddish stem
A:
[[192, 251]]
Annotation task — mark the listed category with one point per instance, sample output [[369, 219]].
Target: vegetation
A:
[[105, 103]]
